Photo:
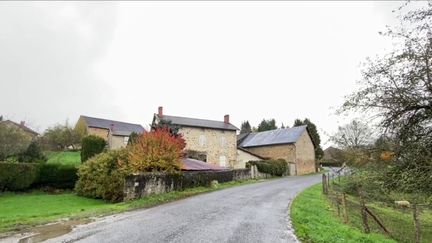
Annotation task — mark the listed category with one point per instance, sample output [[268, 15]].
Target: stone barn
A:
[[292, 144]]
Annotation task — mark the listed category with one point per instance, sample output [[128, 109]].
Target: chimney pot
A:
[[160, 111], [226, 119]]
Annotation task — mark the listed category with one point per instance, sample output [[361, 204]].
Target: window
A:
[[222, 161], [125, 140], [223, 142], [202, 140]]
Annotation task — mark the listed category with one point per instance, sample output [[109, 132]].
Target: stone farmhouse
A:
[[116, 133], [292, 144], [28, 132], [210, 141]]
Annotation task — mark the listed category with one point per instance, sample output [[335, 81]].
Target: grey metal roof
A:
[[194, 122], [278, 136], [118, 128]]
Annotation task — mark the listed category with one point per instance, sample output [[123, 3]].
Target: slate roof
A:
[[195, 122], [273, 137], [198, 165], [117, 127]]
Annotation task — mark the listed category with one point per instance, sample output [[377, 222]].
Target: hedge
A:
[[274, 167], [57, 175], [17, 176], [90, 146]]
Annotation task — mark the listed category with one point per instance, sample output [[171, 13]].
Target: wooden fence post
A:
[[363, 210], [324, 183], [416, 215], [344, 208]]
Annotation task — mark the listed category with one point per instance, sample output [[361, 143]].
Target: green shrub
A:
[[91, 145], [273, 167], [103, 175], [57, 176], [33, 154], [17, 176]]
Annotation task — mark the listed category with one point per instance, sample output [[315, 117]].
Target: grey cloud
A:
[[47, 57]]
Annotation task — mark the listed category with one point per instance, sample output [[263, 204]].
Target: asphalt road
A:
[[250, 213]]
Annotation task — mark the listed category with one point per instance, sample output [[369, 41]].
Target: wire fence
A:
[[400, 220]]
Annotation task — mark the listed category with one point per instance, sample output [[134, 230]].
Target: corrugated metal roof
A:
[[195, 122], [193, 164], [118, 128], [278, 136]]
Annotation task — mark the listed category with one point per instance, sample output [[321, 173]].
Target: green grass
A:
[[314, 220], [21, 210], [64, 157]]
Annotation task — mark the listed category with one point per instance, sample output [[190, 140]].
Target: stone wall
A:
[[116, 142], [100, 132], [305, 153], [283, 151], [145, 184], [244, 157], [219, 145]]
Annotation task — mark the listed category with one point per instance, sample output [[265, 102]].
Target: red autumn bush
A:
[[158, 150]]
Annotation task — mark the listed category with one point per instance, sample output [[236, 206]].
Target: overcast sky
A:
[[252, 60]]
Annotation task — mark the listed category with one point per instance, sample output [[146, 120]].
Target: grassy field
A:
[[21, 210], [398, 221], [64, 157], [314, 220]]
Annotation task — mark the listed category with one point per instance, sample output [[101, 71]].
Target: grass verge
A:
[[314, 220], [22, 210], [64, 157]]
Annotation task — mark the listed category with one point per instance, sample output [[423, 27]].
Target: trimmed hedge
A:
[[273, 167], [17, 176], [90, 146], [57, 175]]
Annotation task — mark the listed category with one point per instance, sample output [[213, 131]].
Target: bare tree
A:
[[355, 134]]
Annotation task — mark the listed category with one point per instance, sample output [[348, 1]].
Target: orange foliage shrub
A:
[[387, 155], [158, 150]]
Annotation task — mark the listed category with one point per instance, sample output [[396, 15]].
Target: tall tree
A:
[[267, 125], [397, 87], [12, 141], [319, 153], [245, 127]]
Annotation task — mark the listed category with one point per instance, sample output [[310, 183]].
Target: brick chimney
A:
[[22, 123], [226, 119], [160, 111]]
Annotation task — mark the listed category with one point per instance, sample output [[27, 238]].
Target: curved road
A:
[[250, 213]]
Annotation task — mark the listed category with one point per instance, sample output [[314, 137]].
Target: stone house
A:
[[207, 140], [292, 144], [28, 132], [115, 133]]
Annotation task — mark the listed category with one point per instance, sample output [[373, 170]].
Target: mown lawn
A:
[[314, 220], [20, 210], [64, 157]]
